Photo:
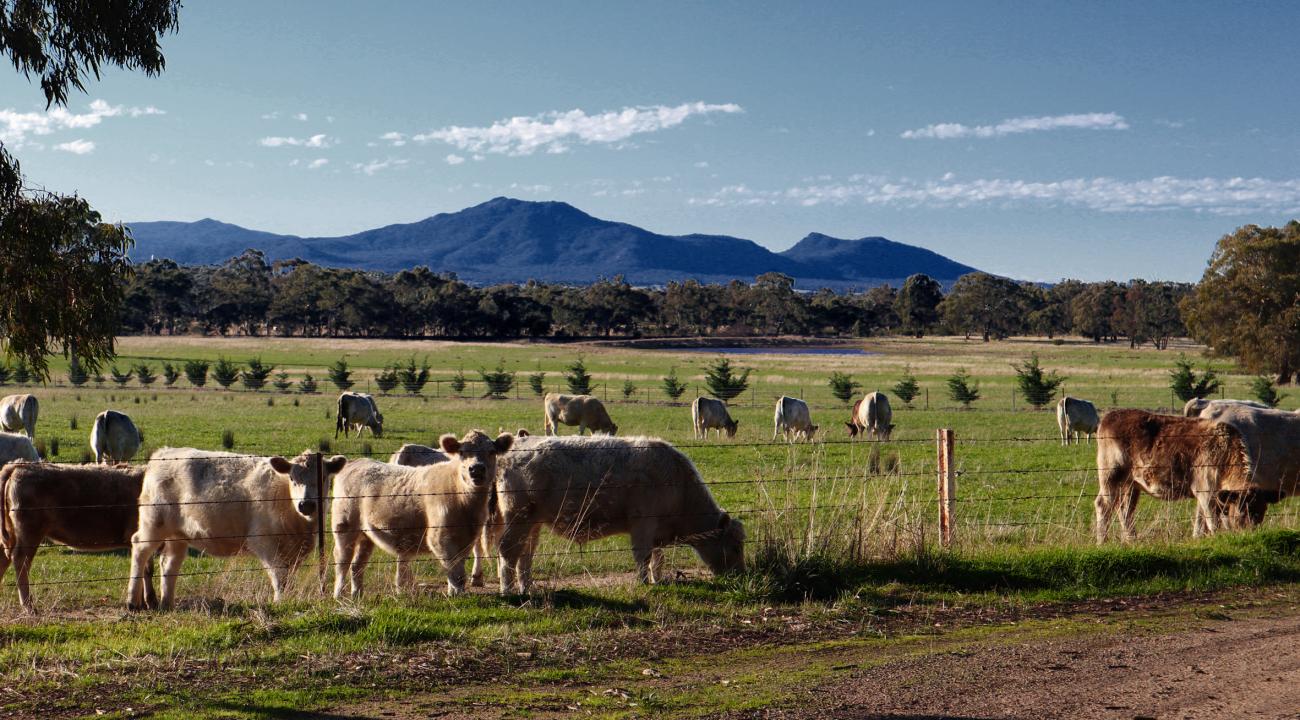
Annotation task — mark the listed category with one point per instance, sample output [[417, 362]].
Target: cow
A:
[[85, 507], [114, 438], [1074, 416], [412, 455], [18, 414], [1272, 440], [585, 411], [1194, 406], [439, 508], [792, 417], [872, 417], [226, 504], [359, 411], [1171, 458], [707, 414], [17, 447], [589, 488]]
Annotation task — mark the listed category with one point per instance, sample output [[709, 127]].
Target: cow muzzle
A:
[[477, 473], [307, 507]]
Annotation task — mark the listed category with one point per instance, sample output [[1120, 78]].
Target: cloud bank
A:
[[315, 141], [1016, 126], [17, 127], [556, 132]]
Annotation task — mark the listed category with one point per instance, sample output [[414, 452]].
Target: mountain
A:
[[508, 240]]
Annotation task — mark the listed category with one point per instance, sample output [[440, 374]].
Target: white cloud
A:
[[1015, 126], [1221, 196], [76, 147], [533, 189], [395, 139], [454, 159], [271, 115], [315, 141], [557, 132], [317, 163], [300, 117], [702, 164], [16, 127], [374, 166]]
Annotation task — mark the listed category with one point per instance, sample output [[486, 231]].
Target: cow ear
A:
[[450, 444], [335, 464], [281, 465], [523, 433], [724, 521], [503, 442]]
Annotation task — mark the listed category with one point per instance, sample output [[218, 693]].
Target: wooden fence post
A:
[[943, 442], [320, 519]]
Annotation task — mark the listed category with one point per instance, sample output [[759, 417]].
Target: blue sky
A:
[[1036, 140]]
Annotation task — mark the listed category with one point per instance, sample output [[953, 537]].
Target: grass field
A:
[[855, 521]]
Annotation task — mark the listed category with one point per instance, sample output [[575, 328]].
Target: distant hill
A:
[[508, 240]]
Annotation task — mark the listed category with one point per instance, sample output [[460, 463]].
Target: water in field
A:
[[780, 350]]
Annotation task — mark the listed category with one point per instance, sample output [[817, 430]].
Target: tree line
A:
[[249, 295]]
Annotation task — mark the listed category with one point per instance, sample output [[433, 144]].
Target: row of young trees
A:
[[249, 295]]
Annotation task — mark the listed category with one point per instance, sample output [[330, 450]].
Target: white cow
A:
[[709, 414], [359, 411], [224, 505], [872, 417], [18, 414], [792, 418], [1074, 416], [1196, 406], [114, 438], [413, 455], [17, 447]]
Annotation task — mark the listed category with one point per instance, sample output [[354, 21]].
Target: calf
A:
[[1170, 458], [1272, 440], [114, 438], [439, 508], [872, 417], [413, 455], [1074, 416], [358, 411], [1195, 406], [585, 411], [85, 507], [17, 447], [224, 505], [589, 488], [18, 414], [709, 414], [792, 418]]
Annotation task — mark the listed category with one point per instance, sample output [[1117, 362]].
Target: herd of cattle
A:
[[477, 494]]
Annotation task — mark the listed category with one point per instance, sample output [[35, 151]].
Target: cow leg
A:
[[360, 558], [150, 592], [1128, 502], [656, 565], [24, 551], [173, 554], [1110, 483], [525, 569], [643, 550], [345, 543], [482, 548], [404, 576], [1207, 513], [142, 554]]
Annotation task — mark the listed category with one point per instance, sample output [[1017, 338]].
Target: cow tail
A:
[[338, 418], [100, 432]]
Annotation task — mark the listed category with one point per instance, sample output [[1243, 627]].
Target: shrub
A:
[[282, 381], [458, 382], [907, 388], [413, 379], [537, 381], [323, 445], [144, 373], [170, 374], [962, 389], [842, 386], [577, 377], [119, 377], [225, 373], [1185, 383], [340, 375], [6, 372], [629, 389], [72, 423], [295, 402], [673, 387], [87, 457], [1265, 391], [270, 402], [77, 375], [99, 379], [196, 372], [22, 373], [228, 439], [254, 378], [39, 444], [307, 385], [366, 449], [722, 380], [499, 383], [54, 447], [1037, 387], [386, 379]]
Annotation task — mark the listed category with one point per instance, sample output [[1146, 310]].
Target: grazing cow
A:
[[224, 505], [872, 417], [585, 411], [590, 488], [114, 438], [439, 508], [17, 447], [412, 455], [1194, 406], [1074, 416], [18, 414], [1272, 439], [1171, 458], [792, 418], [359, 411], [707, 414], [85, 507]]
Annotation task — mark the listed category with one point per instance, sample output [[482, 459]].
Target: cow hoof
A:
[[476, 582]]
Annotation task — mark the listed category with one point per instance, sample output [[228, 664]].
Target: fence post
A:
[[927, 398], [320, 519], [1013, 400], [947, 483]]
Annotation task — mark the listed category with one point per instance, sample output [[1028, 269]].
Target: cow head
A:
[[723, 548], [301, 472], [377, 425], [884, 431], [476, 454], [731, 428], [853, 429]]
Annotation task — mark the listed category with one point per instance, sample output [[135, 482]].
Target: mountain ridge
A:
[[510, 240]]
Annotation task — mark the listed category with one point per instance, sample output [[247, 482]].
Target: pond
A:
[[777, 350]]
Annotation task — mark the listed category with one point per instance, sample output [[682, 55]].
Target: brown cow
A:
[[84, 507], [1171, 458]]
